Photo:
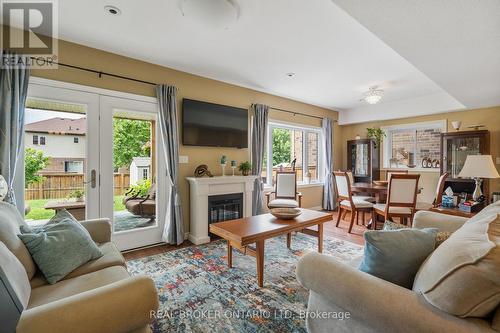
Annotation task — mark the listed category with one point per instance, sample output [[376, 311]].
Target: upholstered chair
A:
[[285, 192], [401, 198], [347, 202], [439, 195]]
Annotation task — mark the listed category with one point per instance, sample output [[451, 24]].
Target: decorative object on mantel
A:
[[223, 161], [376, 133], [234, 164], [245, 168], [358, 137], [456, 124], [202, 170], [476, 127], [477, 167], [286, 213]]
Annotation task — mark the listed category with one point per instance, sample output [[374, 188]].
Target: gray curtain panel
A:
[[13, 93], [329, 195], [167, 118], [259, 130]]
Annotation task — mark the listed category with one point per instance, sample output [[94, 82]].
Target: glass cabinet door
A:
[[456, 151], [360, 157]]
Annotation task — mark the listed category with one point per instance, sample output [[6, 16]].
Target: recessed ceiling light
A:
[[112, 10], [290, 74]]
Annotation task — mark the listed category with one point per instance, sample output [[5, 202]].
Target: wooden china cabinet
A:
[[455, 146], [363, 159]]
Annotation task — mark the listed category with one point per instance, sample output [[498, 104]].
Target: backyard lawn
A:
[[37, 211]]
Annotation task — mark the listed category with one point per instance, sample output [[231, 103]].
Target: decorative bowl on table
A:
[[380, 182], [286, 213]]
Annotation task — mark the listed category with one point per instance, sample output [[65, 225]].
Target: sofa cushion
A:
[[111, 257], [16, 274], [396, 255], [461, 277], [10, 221], [50, 293], [59, 248]]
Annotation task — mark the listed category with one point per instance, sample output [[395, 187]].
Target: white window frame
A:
[[40, 140], [305, 129], [387, 141]]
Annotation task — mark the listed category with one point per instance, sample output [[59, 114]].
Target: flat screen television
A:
[[213, 125]]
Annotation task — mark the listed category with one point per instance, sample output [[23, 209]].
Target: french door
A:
[[120, 169]]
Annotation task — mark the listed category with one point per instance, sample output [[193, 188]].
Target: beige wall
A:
[[190, 86], [488, 116]]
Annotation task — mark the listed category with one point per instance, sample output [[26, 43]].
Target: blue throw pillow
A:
[[59, 248], [396, 255]]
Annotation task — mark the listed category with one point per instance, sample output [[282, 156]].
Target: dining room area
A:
[[409, 168]]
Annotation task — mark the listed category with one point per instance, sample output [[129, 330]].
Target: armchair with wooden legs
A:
[[347, 202], [401, 199], [439, 195], [285, 191]]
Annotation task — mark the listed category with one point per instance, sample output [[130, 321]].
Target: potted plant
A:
[[78, 195], [245, 168], [377, 134]]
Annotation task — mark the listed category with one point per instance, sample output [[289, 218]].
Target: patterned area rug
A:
[[199, 293]]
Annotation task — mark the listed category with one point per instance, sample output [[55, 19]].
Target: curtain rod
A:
[[101, 73], [296, 113]]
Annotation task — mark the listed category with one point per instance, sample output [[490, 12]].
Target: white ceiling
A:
[[335, 58]]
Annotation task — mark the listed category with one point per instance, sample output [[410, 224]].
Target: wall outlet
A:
[[183, 159]]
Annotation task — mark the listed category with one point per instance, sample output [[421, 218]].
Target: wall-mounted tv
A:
[[213, 125]]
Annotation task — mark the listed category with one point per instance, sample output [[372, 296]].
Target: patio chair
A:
[[141, 206]]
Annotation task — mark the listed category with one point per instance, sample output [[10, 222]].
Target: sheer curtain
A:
[[13, 93], [259, 130], [167, 119]]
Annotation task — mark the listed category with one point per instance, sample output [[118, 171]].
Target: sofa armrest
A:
[[122, 306], [443, 222], [99, 229], [383, 306]]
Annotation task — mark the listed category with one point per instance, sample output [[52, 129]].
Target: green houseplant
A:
[[376, 133], [245, 168]]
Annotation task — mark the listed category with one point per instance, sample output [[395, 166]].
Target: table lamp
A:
[[477, 167], [3, 188]]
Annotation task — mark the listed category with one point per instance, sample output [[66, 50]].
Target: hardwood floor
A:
[[356, 236]]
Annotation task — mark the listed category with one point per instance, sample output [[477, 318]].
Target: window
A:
[[73, 166], [35, 139], [290, 145], [413, 145], [75, 140], [42, 140], [145, 173]]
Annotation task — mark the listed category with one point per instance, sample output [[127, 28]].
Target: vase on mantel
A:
[[223, 167]]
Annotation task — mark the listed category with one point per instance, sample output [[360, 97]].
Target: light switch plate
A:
[[498, 160], [183, 159]]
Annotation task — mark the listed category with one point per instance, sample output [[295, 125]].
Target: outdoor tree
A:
[[131, 139], [282, 146], [34, 161]]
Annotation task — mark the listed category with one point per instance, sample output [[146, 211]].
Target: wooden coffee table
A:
[[243, 232]]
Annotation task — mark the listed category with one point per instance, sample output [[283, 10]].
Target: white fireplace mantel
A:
[[199, 191]]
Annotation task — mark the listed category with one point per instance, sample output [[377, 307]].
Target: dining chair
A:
[[401, 199], [358, 197], [395, 172], [439, 195], [285, 191], [346, 201]]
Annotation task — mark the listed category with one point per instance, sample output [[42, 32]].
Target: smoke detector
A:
[[211, 13]]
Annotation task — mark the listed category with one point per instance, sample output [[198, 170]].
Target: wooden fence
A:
[[61, 185]]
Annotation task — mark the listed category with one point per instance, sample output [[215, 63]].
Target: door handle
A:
[[92, 179]]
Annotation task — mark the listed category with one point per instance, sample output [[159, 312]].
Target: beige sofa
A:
[[375, 305], [99, 296]]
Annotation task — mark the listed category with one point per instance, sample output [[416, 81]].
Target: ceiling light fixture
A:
[[112, 10], [211, 13], [373, 95]]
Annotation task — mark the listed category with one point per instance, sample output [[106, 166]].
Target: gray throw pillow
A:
[[396, 255], [59, 248]]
